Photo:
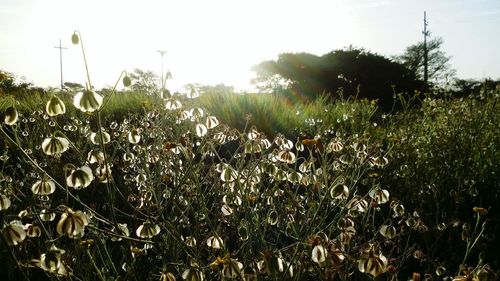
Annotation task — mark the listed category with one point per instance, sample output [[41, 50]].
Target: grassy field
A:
[[249, 187]]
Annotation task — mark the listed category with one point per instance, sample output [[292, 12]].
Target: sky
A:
[[218, 41]]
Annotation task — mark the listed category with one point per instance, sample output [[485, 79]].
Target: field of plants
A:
[[129, 186]]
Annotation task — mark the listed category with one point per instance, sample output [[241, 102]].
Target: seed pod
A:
[[126, 81], [75, 39]]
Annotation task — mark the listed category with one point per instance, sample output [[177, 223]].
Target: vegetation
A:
[[439, 68], [127, 186], [357, 72]]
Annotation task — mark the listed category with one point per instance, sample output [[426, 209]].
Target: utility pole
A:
[[162, 53], [426, 34], [60, 47]]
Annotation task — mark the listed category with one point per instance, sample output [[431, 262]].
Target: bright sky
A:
[[218, 41]]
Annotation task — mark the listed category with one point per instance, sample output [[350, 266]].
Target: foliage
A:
[[439, 69], [357, 72], [9, 85], [144, 81], [173, 193]]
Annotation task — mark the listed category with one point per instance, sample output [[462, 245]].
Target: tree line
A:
[[356, 72]]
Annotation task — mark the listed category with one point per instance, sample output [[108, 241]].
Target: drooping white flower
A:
[[55, 145], [87, 101], [80, 177]]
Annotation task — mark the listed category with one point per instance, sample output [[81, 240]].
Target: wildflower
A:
[[232, 268], [273, 264], [339, 192], [334, 146], [103, 173], [11, 116], [33, 230], [72, 223], [228, 174], [201, 130], [226, 210], [55, 106], [98, 137], [214, 242], [346, 235], [397, 208], [122, 231], [167, 276], [336, 253], [51, 260], [211, 122], [14, 233], [388, 231], [380, 196], [80, 178], [480, 211], [193, 274], [173, 104], [4, 202], [95, 156], [346, 159], [440, 270], [43, 187], [357, 205], [286, 156], [47, 215], [147, 230], [133, 136], [190, 241], [55, 145], [87, 101], [372, 261], [318, 254]]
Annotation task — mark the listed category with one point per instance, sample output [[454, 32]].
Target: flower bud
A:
[[75, 39], [11, 116], [126, 81]]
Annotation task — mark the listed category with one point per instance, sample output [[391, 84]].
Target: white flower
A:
[[147, 230], [214, 242], [55, 145], [11, 116], [87, 101], [55, 106], [72, 223], [318, 254], [81, 177]]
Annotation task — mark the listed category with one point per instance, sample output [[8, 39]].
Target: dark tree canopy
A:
[[356, 71]]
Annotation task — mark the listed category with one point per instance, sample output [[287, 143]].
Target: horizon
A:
[[218, 42]]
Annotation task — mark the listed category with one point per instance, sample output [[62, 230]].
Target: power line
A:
[[60, 47]]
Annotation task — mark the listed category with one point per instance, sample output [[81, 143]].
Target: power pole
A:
[[162, 53], [426, 34], [60, 47]]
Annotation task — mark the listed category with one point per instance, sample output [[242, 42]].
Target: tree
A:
[[144, 81], [439, 69], [74, 86], [355, 71]]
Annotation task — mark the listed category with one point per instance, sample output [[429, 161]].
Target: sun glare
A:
[[205, 42]]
